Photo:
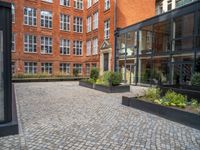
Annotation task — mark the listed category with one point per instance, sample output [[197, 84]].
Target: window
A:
[[47, 68], [95, 46], [30, 67], [13, 42], [107, 4], [94, 65], [46, 45], [107, 29], [89, 3], [88, 44], [87, 69], [95, 1], [78, 67], [78, 4], [65, 68], [64, 22], [50, 1], [30, 16], [89, 24], [77, 47], [13, 68], [64, 47], [13, 12], [95, 20], [78, 24], [46, 19], [169, 5], [65, 3], [30, 43]]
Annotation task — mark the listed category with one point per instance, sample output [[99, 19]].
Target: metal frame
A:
[[5, 25], [178, 12]]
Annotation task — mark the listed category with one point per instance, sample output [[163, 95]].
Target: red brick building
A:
[[55, 36]]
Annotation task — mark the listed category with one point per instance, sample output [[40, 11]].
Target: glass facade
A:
[[163, 52], [1, 79]]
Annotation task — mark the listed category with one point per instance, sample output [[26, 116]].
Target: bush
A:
[[94, 74], [153, 93], [175, 99], [196, 79], [116, 78], [113, 78]]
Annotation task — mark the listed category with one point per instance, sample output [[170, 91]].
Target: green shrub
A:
[[94, 74], [116, 78], [194, 103], [196, 79], [153, 93], [75, 72], [175, 99]]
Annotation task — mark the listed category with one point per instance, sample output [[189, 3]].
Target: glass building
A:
[[160, 50]]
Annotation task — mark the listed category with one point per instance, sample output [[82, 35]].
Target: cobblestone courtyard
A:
[[62, 115]]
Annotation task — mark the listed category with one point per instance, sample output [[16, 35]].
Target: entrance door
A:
[[182, 73], [130, 78], [106, 61], [1, 78]]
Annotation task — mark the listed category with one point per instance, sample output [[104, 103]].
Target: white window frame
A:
[[107, 29], [95, 46], [65, 68], [46, 46], [30, 47], [13, 49], [87, 69], [89, 3], [95, 20], [79, 67], [46, 15], [78, 24], [77, 48], [95, 1], [64, 22], [65, 47], [13, 12], [89, 24], [88, 48], [47, 68], [48, 1], [65, 3], [78, 4], [30, 67], [106, 4], [31, 17]]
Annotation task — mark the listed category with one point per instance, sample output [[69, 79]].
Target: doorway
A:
[[130, 77], [106, 62]]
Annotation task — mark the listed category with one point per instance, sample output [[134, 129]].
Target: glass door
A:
[[130, 73], [1, 78]]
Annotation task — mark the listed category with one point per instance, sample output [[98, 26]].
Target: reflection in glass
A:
[[145, 40], [1, 79], [184, 26], [162, 32]]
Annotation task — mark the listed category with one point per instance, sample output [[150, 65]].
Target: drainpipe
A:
[[115, 38]]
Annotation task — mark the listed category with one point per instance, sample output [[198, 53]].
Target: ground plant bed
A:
[[104, 88], [192, 92], [184, 116]]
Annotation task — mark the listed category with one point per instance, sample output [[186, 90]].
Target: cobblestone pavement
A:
[[64, 116]]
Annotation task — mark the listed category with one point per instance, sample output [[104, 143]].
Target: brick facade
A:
[[124, 9]]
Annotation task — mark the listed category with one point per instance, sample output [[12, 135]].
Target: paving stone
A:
[[63, 115]]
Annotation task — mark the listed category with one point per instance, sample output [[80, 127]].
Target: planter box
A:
[[106, 89], [191, 91], [86, 84], [173, 114]]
